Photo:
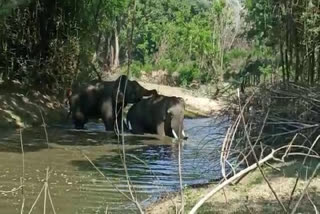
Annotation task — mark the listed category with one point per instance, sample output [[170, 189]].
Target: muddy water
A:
[[75, 186]]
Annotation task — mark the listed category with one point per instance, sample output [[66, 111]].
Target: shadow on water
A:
[[152, 164], [35, 139]]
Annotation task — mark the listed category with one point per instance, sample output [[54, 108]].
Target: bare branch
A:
[[228, 181]]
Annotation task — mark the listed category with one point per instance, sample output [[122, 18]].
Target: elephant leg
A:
[[108, 123], [79, 124], [135, 128], [79, 119], [108, 120], [160, 129], [107, 115], [120, 122]]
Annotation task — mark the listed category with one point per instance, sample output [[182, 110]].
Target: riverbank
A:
[[252, 194], [22, 108], [199, 105]]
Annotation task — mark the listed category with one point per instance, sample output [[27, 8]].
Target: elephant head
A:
[[127, 91], [158, 114], [174, 117], [130, 91]]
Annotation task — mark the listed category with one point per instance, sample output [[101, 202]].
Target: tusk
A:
[[129, 125], [146, 97], [183, 134], [174, 134]]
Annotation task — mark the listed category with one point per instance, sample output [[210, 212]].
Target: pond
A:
[[75, 186]]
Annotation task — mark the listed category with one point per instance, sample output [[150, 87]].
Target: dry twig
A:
[[230, 180], [305, 189]]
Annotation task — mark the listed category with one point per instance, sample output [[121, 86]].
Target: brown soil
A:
[[22, 107], [252, 194]]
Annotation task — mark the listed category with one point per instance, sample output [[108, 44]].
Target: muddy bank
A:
[[252, 194], [21, 107]]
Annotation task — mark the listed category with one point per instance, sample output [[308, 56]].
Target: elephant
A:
[[105, 100], [159, 114]]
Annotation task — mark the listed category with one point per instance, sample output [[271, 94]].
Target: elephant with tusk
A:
[[105, 100], [158, 114]]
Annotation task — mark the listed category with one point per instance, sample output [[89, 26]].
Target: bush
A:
[[188, 73], [135, 69], [147, 67], [166, 64]]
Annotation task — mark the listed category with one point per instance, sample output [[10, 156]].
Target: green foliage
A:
[[7, 5], [49, 43], [292, 31], [236, 53], [57, 42], [136, 68], [188, 73], [166, 64], [183, 37], [266, 70]]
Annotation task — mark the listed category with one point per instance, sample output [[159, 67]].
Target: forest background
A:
[[55, 43]]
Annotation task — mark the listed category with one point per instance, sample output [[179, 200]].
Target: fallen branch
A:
[[230, 180], [12, 190]]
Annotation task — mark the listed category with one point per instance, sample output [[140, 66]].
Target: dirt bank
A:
[[200, 105], [22, 107], [252, 194]]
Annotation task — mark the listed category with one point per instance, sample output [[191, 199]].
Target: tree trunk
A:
[[297, 73], [116, 50], [107, 54], [287, 43], [111, 56], [312, 65], [287, 65], [290, 37], [318, 59], [282, 63]]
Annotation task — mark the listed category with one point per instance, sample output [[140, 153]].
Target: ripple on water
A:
[[76, 187]]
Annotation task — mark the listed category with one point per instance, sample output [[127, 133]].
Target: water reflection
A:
[[152, 164]]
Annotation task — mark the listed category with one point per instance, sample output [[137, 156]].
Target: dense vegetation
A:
[[52, 43]]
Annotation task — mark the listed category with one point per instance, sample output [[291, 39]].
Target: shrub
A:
[[188, 73], [136, 69]]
